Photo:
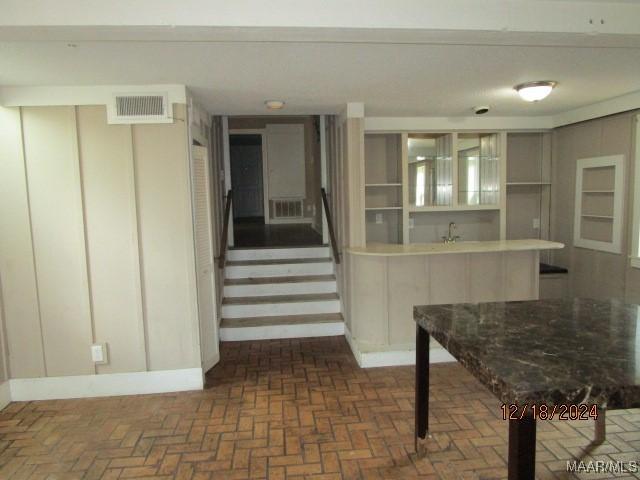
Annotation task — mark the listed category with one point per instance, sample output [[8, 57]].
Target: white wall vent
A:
[[140, 108]]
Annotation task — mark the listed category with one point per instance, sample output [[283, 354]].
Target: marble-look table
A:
[[543, 352]]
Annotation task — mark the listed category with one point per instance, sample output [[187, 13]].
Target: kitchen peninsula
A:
[[387, 280]]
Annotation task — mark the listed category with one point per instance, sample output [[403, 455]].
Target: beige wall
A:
[[312, 155], [593, 273], [97, 243]]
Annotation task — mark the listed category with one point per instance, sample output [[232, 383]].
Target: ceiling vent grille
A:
[[139, 108]]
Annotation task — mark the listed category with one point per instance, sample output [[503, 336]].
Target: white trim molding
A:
[[107, 385], [582, 165], [5, 394]]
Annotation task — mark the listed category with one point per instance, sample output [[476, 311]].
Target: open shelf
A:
[[527, 184], [602, 217], [382, 208], [375, 185], [459, 208]]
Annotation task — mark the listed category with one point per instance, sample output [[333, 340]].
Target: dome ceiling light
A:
[[535, 91], [274, 104]]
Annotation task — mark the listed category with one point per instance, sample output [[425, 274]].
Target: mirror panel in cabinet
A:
[[478, 169], [430, 170]]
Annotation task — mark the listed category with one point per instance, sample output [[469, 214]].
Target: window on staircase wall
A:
[[635, 253]]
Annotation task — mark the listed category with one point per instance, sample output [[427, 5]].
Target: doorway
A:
[[246, 153], [275, 178]]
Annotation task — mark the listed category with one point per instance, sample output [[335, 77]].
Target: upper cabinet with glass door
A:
[[430, 170], [478, 169]]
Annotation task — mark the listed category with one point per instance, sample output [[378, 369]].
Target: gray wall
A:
[[593, 273]]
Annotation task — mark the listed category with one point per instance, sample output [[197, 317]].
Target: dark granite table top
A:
[[545, 351]]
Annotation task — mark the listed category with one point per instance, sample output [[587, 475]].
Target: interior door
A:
[[246, 175], [209, 338]]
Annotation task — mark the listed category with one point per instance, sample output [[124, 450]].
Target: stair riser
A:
[[278, 270], [281, 331], [276, 309], [277, 253], [294, 288]]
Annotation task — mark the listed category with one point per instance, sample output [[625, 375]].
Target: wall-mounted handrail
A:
[[225, 232], [332, 233]]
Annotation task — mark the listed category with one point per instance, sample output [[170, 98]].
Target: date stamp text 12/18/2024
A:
[[542, 411]]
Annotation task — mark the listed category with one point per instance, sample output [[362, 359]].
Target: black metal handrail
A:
[[225, 232], [332, 233]]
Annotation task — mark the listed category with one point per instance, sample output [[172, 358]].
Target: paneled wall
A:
[[96, 244], [593, 273]]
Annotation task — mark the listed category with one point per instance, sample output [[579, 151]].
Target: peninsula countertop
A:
[[385, 249]]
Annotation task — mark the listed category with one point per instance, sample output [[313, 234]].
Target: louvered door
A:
[[204, 257]]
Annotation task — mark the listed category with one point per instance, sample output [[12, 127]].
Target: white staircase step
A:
[[255, 287], [268, 306], [278, 268], [289, 326], [244, 254]]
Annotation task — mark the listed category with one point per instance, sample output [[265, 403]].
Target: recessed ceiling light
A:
[[274, 104], [421, 157], [535, 91]]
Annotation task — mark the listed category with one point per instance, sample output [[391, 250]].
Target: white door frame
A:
[[323, 175], [227, 174], [265, 172]]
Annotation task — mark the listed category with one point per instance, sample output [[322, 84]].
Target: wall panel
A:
[[106, 160], [17, 271], [166, 243], [51, 158]]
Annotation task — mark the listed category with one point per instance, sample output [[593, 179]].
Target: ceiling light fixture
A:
[[274, 104], [535, 91], [421, 158]]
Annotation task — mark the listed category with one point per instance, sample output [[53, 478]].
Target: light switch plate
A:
[[99, 353], [378, 218], [536, 223]]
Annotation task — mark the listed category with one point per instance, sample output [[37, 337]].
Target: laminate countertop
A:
[[386, 249]]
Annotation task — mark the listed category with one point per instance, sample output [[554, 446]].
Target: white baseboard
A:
[[392, 358], [236, 334], [106, 385], [5, 394]]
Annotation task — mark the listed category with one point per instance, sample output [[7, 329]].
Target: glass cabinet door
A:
[[430, 172], [478, 169]]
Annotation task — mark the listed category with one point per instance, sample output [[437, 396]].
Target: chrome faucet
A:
[[451, 238]]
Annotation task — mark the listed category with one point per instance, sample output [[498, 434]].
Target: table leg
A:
[[601, 428], [522, 448], [422, 385]]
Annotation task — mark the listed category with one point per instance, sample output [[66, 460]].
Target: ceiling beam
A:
[[525, 16]]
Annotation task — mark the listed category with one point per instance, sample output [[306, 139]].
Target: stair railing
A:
[[225, 232], [332, 233]]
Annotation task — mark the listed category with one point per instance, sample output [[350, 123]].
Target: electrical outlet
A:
[[412, 222], [536, 223], [99, 353], [378, 218]]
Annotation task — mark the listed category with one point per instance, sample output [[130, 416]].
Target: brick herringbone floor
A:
[[290, 409]]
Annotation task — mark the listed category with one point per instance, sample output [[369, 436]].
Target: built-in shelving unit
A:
[[598, 208], [383, 187], [416, 183], [528, 196]]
